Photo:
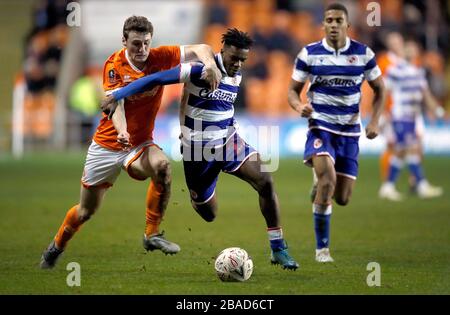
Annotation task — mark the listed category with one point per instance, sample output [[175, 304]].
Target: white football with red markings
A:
[[233, 264]]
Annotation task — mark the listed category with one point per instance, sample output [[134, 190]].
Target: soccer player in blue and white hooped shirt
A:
[[409, 89], [210, 142], [336, 67]]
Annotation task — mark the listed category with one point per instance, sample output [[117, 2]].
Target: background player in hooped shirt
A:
[[395, 54], [336, 67], [394, 43], [142, 159], [210, 142], [409, 89]]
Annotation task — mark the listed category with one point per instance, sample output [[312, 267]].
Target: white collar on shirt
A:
[[221, 66], [131, 64], [329, 48]]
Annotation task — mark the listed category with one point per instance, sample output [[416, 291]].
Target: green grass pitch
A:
[[410, 240]]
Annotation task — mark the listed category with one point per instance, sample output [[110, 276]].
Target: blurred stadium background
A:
[[50, 89]]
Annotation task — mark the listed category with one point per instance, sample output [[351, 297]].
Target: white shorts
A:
[[103, 166]]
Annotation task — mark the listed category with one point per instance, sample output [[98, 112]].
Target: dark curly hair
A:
[[237, 38]]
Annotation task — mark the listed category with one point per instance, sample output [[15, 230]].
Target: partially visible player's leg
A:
[[313, 191], [201, 178], [396, 162], [412, 179], [326, 179], [90, 200], [207, 209], [385, 159], [248, 167], [322, 206], [320, 154], [387, 132], [337, 180], [344, 189], [419, 135], [414, 161], [262, 182], [100, 171], [387, 189], [151, 162], [415, 156], [346, 167]]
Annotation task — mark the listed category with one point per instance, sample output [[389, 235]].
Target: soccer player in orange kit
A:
[[141, 158]]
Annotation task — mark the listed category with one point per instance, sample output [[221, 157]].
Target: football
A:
[[233, 264]]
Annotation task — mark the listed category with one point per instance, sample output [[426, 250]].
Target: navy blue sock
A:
[[276, 238], [322, 229], [394, 169], [277, 245], [415, 167]]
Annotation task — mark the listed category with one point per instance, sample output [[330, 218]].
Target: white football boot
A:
[[388, 191], [425, 190], [323, 255]]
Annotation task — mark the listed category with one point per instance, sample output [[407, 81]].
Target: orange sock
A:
[[153, 213], [70, 225], [385, 159]]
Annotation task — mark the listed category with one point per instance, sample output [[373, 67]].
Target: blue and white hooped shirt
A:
[[406, 82], [207, 116], [335, 83]]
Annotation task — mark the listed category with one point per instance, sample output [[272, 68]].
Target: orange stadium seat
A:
[[303, 28], [268, 97], [255, 96], [38, 114], [240, 13], [213, 34], [172, 93]]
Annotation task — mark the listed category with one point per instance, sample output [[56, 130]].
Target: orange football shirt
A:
[[140, 109]]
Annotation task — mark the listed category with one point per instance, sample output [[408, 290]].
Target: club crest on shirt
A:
[[317, 143], [352, 59], [193, 194], [112, 76]]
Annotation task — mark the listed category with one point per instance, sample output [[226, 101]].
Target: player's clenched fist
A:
[[212, 75], [305, 110], [372, 130], [124, 139]]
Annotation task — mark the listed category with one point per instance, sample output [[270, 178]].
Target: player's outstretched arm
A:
[[373, 128], [175, 75], [205, 55], [294, 101]]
